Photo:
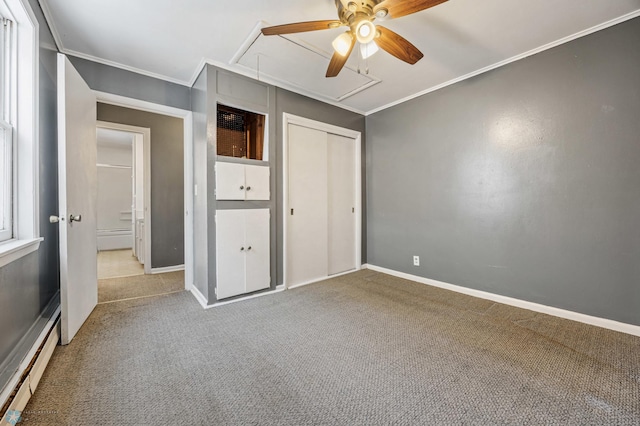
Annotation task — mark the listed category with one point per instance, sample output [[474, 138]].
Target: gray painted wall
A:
[[167, 179], [303, 106], [522, 181], [201, 118], [117, 81], [29, 285]]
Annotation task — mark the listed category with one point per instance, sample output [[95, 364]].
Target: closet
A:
[[321, 216]]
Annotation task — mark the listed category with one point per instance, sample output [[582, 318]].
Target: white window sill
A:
[[13, 250]]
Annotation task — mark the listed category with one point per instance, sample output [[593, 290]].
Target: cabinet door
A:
[[307, 249], [230, 184], [342, 195], [230, 253], [258, 249], [257, 180]]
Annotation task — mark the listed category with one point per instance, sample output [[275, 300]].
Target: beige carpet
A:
[[111, 289], [361, 349], [118, 263]]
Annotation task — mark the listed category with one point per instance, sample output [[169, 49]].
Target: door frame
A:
[[287, 119], [186, 116], [146, 173]]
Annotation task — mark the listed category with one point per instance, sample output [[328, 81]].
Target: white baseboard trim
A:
[[167, 269], [27, 388], [203, 300], [199, 296], [328, 277], [536, 307], [241, 299]]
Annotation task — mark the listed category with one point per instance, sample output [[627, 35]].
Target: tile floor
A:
[[118, 263]]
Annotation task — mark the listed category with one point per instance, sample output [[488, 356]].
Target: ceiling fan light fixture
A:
[[368, 50], [342, 43], [365, 31]]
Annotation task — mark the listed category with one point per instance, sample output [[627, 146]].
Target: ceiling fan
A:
[[359, 15]]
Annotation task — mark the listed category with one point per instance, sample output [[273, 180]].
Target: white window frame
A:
[[25, 121]]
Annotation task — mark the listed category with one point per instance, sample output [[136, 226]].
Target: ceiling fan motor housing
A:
[[355, 11]]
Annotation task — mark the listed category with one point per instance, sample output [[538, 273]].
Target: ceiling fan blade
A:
[[397, 45], [398, 8], [301, 27], [338, 61]]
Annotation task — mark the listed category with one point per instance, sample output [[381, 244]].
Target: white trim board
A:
[[5, 394], [204, 61], [329, 128], [166, 269], [531, 306], [507, 61], [146, 171], [187, 117], [203, 300], [317, 280]]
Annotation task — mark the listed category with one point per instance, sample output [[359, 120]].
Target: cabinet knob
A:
[[248, 188], [249, 248], [241, 248], [241, 187]]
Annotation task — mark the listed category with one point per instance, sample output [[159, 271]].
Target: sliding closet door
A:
[[307, 246], [341, 203]]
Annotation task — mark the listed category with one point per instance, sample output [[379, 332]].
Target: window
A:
[[19, 227], [240, 134], [6, 131]]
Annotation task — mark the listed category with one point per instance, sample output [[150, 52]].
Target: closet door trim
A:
[[317, 125]]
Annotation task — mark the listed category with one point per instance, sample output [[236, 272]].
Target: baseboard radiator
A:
[[32, 370]]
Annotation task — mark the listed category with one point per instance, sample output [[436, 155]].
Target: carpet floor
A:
[[361, 349], [111, 289]]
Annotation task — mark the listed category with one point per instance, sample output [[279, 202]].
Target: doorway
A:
[[120, 202], [322, 201], [124, 217]]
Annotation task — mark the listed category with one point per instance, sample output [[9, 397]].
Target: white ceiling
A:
[[172, 39]]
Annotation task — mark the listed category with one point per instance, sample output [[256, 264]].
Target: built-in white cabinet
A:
[[241, 182], [242, 251]]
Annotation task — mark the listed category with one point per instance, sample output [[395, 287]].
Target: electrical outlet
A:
[[416, 260]]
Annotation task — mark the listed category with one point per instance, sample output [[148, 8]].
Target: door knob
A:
[[55, 219], [76, 218]]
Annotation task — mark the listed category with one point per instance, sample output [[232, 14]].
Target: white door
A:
[[230, 181], [257, 181], [230, 253], [257, 261], [77, 180], [341, 197], [307, 251]]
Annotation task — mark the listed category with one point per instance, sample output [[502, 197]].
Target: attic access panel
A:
[[301, 66]]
